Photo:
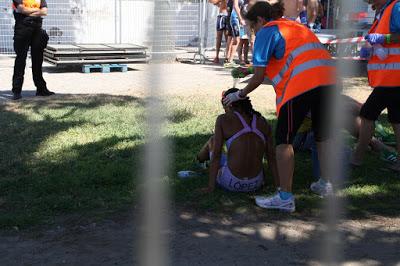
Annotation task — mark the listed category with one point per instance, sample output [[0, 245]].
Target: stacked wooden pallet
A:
[[85, 54]]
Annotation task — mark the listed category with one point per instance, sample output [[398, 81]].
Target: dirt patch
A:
[[259, 238]]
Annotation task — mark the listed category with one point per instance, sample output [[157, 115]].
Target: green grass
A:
[[83, 155]]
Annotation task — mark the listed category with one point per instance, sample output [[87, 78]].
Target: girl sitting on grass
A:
[[248, 140]]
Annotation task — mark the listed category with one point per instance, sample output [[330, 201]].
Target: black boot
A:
[[16, 96], [44, 92]]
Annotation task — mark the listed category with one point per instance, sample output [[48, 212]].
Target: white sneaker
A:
[[322, 189], [275, 202]]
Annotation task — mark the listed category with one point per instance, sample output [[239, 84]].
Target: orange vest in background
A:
[[385, 73], [305, 65], [28, 3]]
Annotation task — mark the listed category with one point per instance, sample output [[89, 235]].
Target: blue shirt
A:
[[395, 19], [269, 42]]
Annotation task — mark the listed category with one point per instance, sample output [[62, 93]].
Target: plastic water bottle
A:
[[380, 52], [187, 174], [235, 82]]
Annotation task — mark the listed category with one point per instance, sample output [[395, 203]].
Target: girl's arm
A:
[[216, 158], [256, 80]]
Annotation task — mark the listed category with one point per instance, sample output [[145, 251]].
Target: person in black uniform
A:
[[28, 32]]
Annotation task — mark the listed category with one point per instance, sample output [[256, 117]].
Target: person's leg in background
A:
[[228, 40], [22, 40], [239, 50], [220, 33], [394, 119], [241, 47], [352, 110], [246, 51], [218, 46], [364, 138], [39, 43], [252, 38], [204, 154], [369, 113], [234, 45], [234, 26]]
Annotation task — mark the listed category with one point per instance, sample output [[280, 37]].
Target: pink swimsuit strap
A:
[[246, 129]]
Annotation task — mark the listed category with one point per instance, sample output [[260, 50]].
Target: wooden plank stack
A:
[[86, 54]]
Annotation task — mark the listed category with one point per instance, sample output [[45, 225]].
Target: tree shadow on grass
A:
[[94, 174], [101, 176], [70, 154], [260, 237]]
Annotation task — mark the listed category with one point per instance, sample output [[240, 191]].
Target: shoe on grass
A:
[[16, 96], [276, 202], [389, 156], [44, 93], [322, 188]]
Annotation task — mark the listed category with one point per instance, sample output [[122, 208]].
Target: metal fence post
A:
[[199, 53]]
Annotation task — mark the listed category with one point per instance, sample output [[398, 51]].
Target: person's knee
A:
[[284, 149], [211, 143]]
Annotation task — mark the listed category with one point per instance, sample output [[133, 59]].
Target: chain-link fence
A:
[[6, 27], [120, 21]]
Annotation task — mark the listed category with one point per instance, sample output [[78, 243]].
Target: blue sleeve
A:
[[269, 42], [17, 2], [395, 19]]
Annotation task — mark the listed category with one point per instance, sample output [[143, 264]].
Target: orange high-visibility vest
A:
[[385, 73], [29, 4], [305, 65]]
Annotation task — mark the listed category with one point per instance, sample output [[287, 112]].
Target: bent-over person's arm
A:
[[256, 80]]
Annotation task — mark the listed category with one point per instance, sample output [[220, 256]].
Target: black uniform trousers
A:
[[29, 34]]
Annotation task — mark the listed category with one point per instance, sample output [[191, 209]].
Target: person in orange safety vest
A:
[[303, 75], [383, 75]]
